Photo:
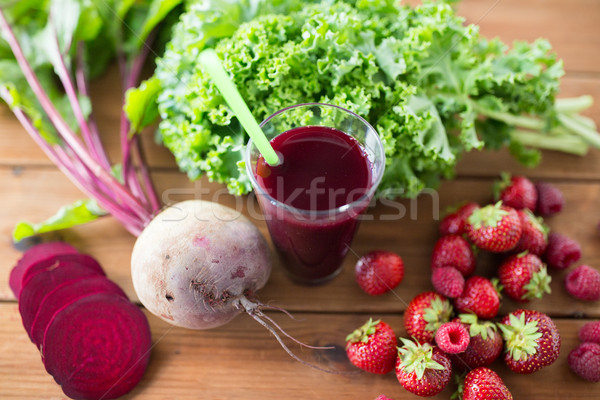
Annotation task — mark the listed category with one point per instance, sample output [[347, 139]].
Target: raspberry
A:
[[382, 397], [583, 283], [452, 337], [550, 199], [562, 251], [584, 360], [448, 281], [379, 272], [590, 332]]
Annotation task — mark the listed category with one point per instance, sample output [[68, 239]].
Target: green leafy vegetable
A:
[[80, 212], [431, 85]]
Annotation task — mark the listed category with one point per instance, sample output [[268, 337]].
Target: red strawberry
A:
[[452, 338], [590, 332], [534, 234], [422, 369], [495, 227], [583, 283], [479, 297], [550, 199], [424, 315], [372, 347], [517, 192], [484, 384], [379, 272], [562, 251], [524, 277], [453, 251], [448, 281], [454, 222], [484, 347], [532, 341], [584, 360]]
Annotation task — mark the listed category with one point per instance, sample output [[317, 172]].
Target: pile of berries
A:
[[452, 328]]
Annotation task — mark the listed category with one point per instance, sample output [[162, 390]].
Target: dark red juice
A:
[[324, 170]]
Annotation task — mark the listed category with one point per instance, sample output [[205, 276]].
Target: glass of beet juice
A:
[[331, 161]]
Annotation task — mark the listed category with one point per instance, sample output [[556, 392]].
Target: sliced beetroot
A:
[[65, 294], [47, 276], [97, 347], [55, 262], [37, 253]]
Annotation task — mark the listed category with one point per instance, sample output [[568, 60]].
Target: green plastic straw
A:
[[212, 65]]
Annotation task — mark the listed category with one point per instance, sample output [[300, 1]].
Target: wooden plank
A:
[[241, 360], [411, 235]]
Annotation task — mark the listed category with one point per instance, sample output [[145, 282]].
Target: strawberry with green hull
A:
[[454, 221], [425, 314], [372, 347], [532, 341], [495, 228], [379, 272], [481, 297], [484, 347], [453, 251], [422, 369], [483, 384], [517, 192], [534, 234], [524, 277]]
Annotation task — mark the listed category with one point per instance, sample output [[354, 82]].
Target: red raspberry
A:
[[453, 251], [452, 337], [379, 272], [562, 251], [590, 332], [584, 360], [448, 281], [550, 199], [382, 397], [584, 283]]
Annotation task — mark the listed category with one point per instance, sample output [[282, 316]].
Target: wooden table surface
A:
[[243, 361]]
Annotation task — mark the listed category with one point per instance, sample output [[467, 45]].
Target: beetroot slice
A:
[[65, 294], [48, 275], [37, 253], [54, 262], [97, 347]]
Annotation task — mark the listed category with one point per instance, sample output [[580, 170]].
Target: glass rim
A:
[[366, 197]]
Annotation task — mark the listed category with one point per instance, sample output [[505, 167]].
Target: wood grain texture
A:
[[242, 361]]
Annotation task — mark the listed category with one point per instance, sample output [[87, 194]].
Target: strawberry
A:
[[448, 281], [517, 192], [422, 369], [534, 234], [372, 347], [379, 272], [452, 338], [550, 199], [524, 277], [562, 251], [590, 332], [583, 283], [495, 227], [532, 341], [484, 347], [424, 315], [584, 360], [454, 222], [479, 297], [484, 384], [453, 251]]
